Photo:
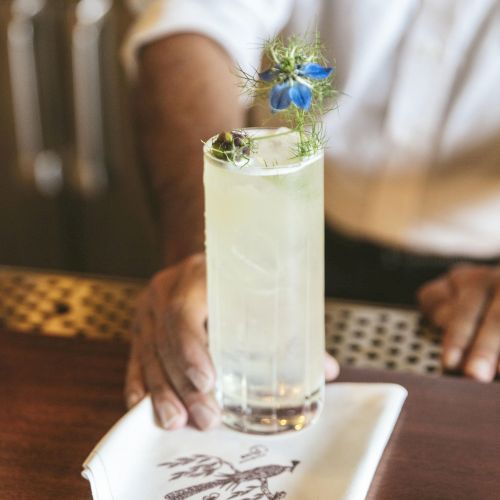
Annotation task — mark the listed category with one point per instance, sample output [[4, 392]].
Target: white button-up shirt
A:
[[413, 158]]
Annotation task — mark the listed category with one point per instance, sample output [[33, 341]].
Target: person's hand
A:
[[465, 303], [169, 355]]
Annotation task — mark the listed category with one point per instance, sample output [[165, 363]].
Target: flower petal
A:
[[269, 75], [301, 95], [315, 71], [280, 96]]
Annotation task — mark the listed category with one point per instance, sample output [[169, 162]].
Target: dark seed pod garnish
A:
[[232, 146]]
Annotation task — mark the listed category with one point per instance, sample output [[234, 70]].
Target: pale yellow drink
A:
[[265, 257]]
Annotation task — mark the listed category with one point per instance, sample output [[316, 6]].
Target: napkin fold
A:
[[335, 458]]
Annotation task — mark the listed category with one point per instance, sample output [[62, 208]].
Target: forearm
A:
[[186, 92]]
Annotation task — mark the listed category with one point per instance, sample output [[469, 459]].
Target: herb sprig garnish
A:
[[298, 86]]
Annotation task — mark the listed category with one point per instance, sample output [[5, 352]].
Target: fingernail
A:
[[133, 398], [331, 369], [481, 370], [452, 358], [201, 380], [204, 416], [167, 414]]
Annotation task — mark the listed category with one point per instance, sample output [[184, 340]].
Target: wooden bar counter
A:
[[60, 395]]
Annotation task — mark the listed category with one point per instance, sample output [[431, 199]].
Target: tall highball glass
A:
[[264, 224]]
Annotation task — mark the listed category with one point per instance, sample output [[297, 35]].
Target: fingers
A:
[[180, 315], [168, 408], [134, 383], [483, 359], [185, 357], [202, 408], [135, 388], [471, 288], [332, 368], [179, 311], [465, 303], [434, 293], [442, 315], [185, 346]]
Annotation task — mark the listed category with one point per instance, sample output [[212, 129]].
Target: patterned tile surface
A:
[[101, 308]]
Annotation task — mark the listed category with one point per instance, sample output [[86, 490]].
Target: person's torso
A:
[[414, 151]]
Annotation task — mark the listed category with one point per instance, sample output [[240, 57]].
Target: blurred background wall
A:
[[71, 194]]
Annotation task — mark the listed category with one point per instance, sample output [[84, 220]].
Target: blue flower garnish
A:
[[314, 71], [293, 84], [299, 84]]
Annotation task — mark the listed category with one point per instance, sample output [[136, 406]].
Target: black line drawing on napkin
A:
[[255, 451], [250, 484]]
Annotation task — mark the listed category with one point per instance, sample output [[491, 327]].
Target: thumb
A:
[[332, 368]]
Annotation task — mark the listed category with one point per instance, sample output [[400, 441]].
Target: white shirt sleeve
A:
[[239, 26]]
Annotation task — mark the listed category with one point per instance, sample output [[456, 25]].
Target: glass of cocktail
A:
[[264, 223]]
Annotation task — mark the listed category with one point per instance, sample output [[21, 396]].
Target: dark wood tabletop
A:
[[59, 396]]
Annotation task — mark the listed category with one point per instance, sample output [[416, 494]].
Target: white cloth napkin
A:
[[335, 458]]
